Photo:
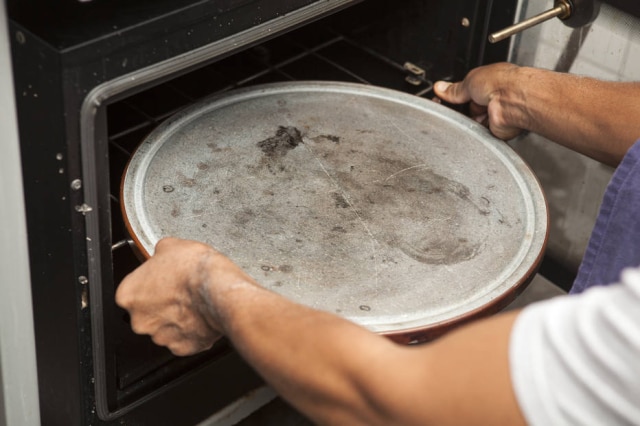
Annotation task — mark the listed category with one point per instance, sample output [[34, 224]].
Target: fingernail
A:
[[442, 86]]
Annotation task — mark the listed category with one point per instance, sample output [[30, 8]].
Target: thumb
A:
[[454, 93]]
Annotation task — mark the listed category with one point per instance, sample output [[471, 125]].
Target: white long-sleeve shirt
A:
[[575, 360]]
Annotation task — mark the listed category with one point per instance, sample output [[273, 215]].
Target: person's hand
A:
[[168, 297], [491, 95]]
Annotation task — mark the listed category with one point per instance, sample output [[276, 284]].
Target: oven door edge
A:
[[93, 125]]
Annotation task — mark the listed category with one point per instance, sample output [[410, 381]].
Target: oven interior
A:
[[406, 49]]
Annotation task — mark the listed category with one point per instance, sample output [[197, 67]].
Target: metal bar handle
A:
[[562, 9], [123, 243]]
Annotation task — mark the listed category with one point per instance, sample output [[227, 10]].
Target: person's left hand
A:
[[493, 94], [167, 300]]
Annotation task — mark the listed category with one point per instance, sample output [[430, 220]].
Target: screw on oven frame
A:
[[76, 184], [84, 208]]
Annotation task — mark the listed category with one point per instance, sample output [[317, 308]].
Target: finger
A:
[[166, 335], [454, 93], [165, 244], [477, 110], [181, 344], [504, 133], [142, 323], [124, 297], [191, 347], [482, 119]]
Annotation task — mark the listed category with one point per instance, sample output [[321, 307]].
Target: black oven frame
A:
[[65, 80]]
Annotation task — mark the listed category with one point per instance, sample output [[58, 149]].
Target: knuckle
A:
[[123, 299], [180, 349], [139, 326]]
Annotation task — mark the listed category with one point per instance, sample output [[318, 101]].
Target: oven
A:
[[93, 78]]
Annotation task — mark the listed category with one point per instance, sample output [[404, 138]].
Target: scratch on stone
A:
[[404, 170], [373, 240], [393, 123]]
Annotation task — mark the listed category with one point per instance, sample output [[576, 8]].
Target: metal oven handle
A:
[[574, 13]]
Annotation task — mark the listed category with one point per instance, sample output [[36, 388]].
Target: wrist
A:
[[534, 96], [222, 287], [514, 96]]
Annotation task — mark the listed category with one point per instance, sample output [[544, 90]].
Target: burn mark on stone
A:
[[214, 147], [243, 217], [440, 251], [341, 202], [168, 188], [285, 268], [332, 138], [439, 213], [186, 181], [282, 268], [203, 166], [285, 139]]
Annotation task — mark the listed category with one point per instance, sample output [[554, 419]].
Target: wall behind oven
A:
[[608, 49]]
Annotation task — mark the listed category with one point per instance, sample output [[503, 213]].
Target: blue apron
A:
[[615, 241]]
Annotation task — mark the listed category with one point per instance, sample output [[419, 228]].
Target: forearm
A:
[[313, 359], [333, 370], [339, 373], [596, 118]]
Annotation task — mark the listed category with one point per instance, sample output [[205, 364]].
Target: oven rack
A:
[[312, 53]]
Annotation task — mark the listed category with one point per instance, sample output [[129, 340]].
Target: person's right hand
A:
[[170, 297], [492, 95]]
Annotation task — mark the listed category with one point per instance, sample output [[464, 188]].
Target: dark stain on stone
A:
[[285, 139], [243, 217], [440, 252], [175, 212], [285, 268], [186, 181], [214, 147], [339, 229], [282, 268], [203, 166], [341, 202], [331, 138]]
